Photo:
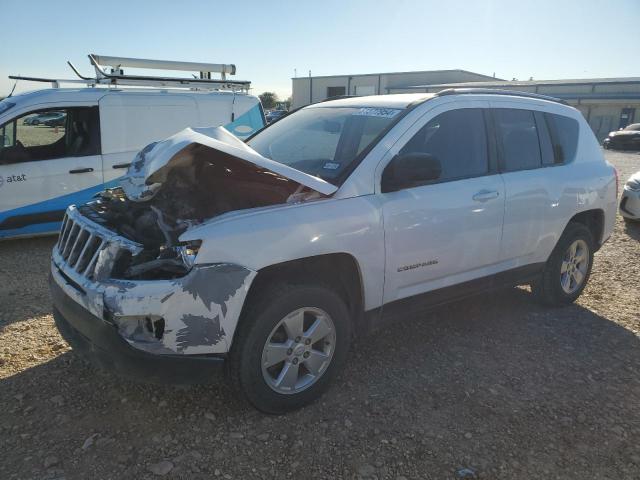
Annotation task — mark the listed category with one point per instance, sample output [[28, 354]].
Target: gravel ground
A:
[[492, 387]]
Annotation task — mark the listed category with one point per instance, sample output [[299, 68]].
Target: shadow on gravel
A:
[[492, 379], [632, 229], [24, 270]]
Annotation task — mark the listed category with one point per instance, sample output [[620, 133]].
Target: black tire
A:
[[548, 289], [263, 313]]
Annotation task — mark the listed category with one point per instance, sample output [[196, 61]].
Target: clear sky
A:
[[543, 39]]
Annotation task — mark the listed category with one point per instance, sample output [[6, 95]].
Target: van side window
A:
[[518, 137], [564, 137], [458, 139], [51, 134]]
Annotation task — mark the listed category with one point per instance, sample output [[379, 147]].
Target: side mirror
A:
[[410, 170]]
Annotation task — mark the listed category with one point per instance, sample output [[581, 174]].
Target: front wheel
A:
[[568, 268], [291, 342]]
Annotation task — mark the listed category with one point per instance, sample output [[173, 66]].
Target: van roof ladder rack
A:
[[497, 91], [116, 76]]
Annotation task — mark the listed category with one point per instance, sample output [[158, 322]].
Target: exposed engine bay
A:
[[199, 184]]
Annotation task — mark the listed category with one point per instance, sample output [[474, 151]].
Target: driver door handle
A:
[[486, 195], [121, 165], [81, 170]]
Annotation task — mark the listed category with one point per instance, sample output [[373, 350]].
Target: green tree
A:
[[268, 99]]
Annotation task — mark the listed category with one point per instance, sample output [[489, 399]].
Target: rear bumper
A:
[[99, 342]]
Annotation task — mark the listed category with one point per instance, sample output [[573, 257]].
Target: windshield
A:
[[633, 126], [323, 141]]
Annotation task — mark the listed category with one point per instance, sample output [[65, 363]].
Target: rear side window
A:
[[518, 139], [564, 137], [457, 138]]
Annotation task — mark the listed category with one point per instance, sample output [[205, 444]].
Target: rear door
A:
[[448, 231], [529, 186], [46, 167]]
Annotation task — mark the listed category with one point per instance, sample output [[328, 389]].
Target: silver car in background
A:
[[630, 201]]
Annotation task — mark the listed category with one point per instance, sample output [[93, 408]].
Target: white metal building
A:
[[607, 103], [308, 90]]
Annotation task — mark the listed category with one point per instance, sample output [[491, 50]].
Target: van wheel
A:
[[291, 342], [567, 270]]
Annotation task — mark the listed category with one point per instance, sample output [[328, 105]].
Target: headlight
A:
[[633, 185], [188, 251]]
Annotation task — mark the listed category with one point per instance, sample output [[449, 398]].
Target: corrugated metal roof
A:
[[457, 70], [532, 83]]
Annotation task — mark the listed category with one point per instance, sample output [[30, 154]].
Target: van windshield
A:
[[323, 141]]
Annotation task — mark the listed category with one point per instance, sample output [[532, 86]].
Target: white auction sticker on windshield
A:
[[377, 112]]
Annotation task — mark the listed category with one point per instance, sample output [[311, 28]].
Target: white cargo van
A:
[[60, 146]]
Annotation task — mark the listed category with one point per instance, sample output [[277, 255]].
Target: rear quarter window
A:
[[564, 137]]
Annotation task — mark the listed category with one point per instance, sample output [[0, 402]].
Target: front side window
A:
[[518, 138], [457, 139], [324, 141], [50, 134]]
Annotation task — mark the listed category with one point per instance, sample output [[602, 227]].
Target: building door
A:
[[626, 117], [336, 91]]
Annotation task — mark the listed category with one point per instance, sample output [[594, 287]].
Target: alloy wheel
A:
[[575, 264], [299, 350]]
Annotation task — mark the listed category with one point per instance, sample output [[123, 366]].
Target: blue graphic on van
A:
[[52, 205], [249, 122]]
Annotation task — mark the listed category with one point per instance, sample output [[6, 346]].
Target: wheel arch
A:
[[594, 220], [339, 271]]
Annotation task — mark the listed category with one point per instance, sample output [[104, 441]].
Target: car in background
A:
[[630, 201], [42, 118], [274, 115], [59, 121], [627, 138]]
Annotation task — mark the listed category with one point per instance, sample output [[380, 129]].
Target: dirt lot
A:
[[496, 385]]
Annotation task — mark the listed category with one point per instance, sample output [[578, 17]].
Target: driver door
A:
[[49, 159], [446, 231]]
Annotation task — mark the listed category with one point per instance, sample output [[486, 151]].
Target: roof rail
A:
[[497, 91], [117, 77]]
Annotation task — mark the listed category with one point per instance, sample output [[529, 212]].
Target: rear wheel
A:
[[568, 268], [291, 342]]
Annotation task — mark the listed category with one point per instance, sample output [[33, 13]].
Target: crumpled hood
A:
[[147, 172]]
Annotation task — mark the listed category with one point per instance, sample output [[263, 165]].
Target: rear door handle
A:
[[81, 170], [486, 195], [122, 165]]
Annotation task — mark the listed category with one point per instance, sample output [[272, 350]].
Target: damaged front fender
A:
[[194, 314]]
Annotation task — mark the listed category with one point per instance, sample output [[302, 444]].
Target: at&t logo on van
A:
[[13, 178]]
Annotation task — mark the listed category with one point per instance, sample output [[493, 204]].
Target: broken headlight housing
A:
[[188, 251]]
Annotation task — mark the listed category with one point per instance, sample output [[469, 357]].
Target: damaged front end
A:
[[121, 258], [189, 178]]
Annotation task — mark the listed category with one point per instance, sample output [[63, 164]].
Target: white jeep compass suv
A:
[[270, 256]]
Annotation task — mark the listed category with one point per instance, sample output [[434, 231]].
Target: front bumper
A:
[[99, 341], [630, 204]]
